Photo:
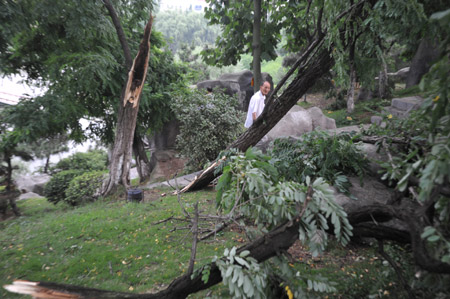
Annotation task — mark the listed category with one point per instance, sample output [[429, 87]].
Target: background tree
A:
[[45, 147], [77, 56], [246, 28], [185, 27]]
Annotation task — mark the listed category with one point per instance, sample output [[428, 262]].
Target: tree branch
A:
[[120, 33]]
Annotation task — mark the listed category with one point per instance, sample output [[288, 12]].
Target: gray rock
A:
[[319, 120], [181, 182], [375, 119], [407, 103], [166, 137], [295, 123], [236, 84], [166, 164], [29, 195], [33, 183]]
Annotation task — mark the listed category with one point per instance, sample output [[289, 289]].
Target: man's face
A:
[[265, 88]]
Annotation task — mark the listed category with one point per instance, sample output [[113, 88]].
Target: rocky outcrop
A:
[[236, 84], [167, 164], [400, 108], [34, 183], [297, 122]]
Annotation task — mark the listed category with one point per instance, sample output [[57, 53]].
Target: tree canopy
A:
[[76, 55]]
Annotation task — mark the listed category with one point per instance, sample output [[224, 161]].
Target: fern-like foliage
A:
[[319, 154]]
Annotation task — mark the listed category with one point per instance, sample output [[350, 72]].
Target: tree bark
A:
[[142, 161], [119, 167], [383, 83], [426, 54], [256, 45], [120, 33], [47, 162], [351, 90]]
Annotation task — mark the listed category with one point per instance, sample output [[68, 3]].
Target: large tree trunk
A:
[[256, 45], [383, 83], [351, 90], [426, 54], [119, 167], [140, 155]]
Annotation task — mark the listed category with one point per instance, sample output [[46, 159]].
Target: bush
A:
[[319, 154], [208, 123], [84, 188], [55, 189], [89, 161]]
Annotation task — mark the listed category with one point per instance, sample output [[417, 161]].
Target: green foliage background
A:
[[208, 123]]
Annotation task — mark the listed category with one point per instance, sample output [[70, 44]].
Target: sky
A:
[[195, 5], [11, 89]]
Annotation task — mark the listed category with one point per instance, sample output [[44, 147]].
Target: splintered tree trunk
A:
[[142, 162], [274, 110], [119, 167]]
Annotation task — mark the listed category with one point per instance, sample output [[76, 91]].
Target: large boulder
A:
[[167, 163], [164, 161], [29, 195], [297, 122], [166, 137], [236, 84], [34, 183]]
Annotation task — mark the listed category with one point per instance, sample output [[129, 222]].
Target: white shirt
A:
[[256, 105]]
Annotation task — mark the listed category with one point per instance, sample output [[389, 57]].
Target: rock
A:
[[167, 163], [375, 119], [372, 153], [33, 183], [236, 84], [370, 191], [165, 138], [319, 120], [407, 103], [400, 75], [297, 122], [401, 107], [29, 195]]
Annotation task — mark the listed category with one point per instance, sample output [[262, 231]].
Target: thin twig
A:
[[110, 268], [170, 218]]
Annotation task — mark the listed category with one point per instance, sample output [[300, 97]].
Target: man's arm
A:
[[254, 116]]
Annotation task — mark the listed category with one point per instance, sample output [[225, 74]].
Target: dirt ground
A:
[[318, 100]]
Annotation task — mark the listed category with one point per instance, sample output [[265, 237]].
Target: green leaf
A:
[[428, 231]]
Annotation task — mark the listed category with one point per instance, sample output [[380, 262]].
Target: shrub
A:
[[208, 123], [55, 189], [84, 188], [320, 155], [89, 161]]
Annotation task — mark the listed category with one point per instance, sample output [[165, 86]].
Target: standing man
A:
[[256, 105]]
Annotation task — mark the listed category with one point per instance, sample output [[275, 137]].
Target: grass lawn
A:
[[117, 245], [109, 245]]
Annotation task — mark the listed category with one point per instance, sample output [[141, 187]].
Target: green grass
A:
[[107, 245], [116, 245]]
